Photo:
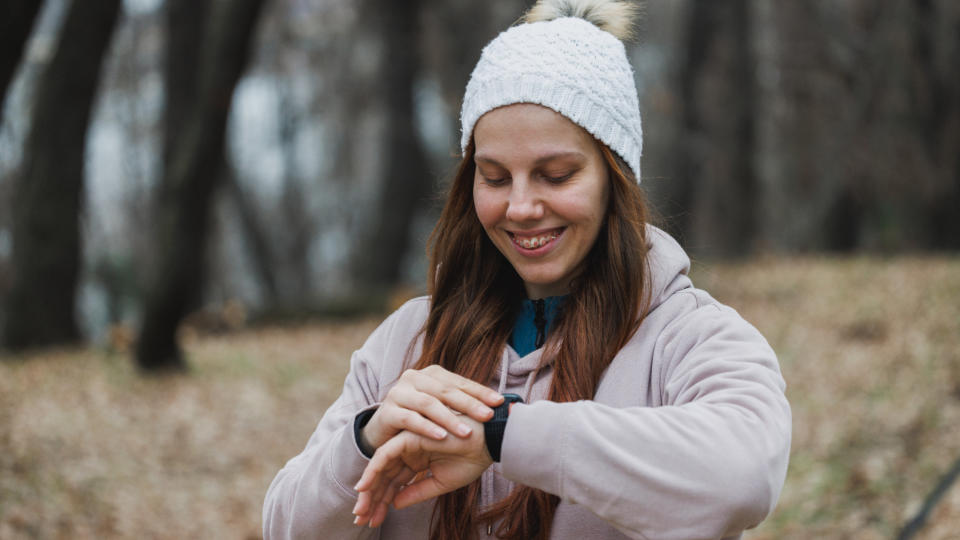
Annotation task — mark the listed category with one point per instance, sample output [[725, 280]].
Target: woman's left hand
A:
[[452, 463]]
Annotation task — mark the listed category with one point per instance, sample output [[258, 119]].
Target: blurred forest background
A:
[[285, 158], [174, 168]]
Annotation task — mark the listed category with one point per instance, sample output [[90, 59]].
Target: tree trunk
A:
[[16, 22], [189, 183], [186, 27], [936, 101], [717, 87], [406, 179], [48, 194], [804, 127]]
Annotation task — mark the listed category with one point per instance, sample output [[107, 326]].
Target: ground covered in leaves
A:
[[870, 349]]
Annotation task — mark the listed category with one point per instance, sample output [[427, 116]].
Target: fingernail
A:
[[354, 511], [356, 520], [464, 429]]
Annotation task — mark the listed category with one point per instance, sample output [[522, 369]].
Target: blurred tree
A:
[[298, 224], [16, 21], [933, 83], [454, 33], [48, 192], [194, 166], [716, 142], [818, 126], [406, 178], [186, 23], [260, 250]]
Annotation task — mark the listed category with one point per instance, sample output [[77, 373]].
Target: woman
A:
[[649, 410]]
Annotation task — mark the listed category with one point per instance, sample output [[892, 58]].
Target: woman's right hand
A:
[[426, 402], [450, 464]]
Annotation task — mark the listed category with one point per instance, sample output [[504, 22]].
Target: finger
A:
[[363, 518], [374, 509], [487, 395], [379, 494], [425, 416], [398, 482], [367, 500], [435, 414], [378, 483], [376, 465], [379, 515], [455, 394], [419, 491], [363, 504], [386, 461]]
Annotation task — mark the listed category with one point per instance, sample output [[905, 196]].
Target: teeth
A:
[[535, 242]]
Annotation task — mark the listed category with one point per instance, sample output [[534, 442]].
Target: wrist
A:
[[494, 429]]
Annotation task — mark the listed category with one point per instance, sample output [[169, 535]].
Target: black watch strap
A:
[[494, 428]]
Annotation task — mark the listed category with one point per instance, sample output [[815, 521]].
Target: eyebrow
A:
[[540, 161]]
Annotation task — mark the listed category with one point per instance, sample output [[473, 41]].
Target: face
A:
[[540, 191]]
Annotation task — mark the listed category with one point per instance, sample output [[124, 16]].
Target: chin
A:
[[548, 284]]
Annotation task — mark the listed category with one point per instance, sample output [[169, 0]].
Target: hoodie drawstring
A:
[[528, 386], [486, 491], [540, 321], [504, 371], [486, 479]]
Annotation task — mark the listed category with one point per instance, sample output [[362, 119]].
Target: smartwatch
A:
[[494, 428]]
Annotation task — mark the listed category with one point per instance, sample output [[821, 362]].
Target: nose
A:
[[524, 203]]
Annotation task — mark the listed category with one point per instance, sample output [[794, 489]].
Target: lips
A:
[[535, 241]]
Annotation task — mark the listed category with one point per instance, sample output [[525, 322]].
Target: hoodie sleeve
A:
[[708, 463], [313, 495]]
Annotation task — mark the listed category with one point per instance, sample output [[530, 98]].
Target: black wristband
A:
[[494, 428], [358, 424]]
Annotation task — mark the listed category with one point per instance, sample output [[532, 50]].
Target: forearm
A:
[[312, 496], [697, 471]]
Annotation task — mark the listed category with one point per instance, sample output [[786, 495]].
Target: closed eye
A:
[[493, 182], [557, 179]]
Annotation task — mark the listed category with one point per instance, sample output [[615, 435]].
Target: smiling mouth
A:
[[534, 241]]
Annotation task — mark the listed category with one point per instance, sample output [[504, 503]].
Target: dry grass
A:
[[870, 349], [88, 449]]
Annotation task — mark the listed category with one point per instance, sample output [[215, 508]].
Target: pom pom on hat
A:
[[567, 56], [613, 16]]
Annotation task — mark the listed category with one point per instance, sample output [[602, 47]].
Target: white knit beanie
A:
[[567, 64]]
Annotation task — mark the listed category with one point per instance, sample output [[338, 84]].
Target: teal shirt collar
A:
[[534, 322]]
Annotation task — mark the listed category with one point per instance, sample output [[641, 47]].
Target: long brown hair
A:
[[475, 294]]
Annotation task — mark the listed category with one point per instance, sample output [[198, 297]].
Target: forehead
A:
[[529, 129]]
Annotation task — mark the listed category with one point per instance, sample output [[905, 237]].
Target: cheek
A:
[[487, 208], [601, 206], [583, 210], [599, 199], [588, 208]]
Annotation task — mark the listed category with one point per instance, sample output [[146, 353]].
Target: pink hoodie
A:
[[688, 435]]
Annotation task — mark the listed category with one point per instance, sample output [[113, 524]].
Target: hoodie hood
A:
[[668, 264], [668, 268]]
